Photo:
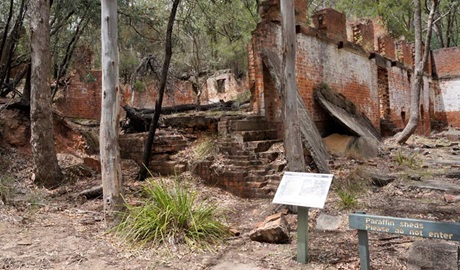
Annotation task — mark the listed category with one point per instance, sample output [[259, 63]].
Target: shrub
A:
[[171, 214]]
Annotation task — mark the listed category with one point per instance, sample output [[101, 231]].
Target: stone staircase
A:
[[167, 144], [247, 165]]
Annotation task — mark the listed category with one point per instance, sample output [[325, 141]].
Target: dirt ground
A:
[[56, 229]]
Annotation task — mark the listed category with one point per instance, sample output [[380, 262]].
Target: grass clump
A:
[[410, 160], [348, 200], [204, 149], [171, 214]]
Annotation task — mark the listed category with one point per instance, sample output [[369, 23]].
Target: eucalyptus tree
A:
[[421, 58], [46, 169], [110, 107]]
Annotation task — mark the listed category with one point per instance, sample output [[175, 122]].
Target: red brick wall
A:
[[386, 46], [347, 69], [331, 22], [447, 62], [269, 11], [82, 97], [446, 96], [362, 33]]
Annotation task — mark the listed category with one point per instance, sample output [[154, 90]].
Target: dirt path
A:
[[54, 230]]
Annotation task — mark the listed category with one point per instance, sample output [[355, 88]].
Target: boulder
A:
[[433, 255], [327, 222], [275, 230]]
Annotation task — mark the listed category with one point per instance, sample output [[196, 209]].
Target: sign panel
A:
[[405, 226], [303, 189]]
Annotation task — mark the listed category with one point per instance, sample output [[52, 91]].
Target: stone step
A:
[[270, 156], [239, 157], [250, 125], [261, 146], [244, 163], [167, 167], [259, 135]]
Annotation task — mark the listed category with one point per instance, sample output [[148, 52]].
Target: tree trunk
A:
[[164, 77], [110, 108], [292, 140], [46, 168], [419, 66]]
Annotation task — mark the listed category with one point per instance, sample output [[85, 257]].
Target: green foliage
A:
[[139, 86], [172, 214], [409, 160], [348, 200]]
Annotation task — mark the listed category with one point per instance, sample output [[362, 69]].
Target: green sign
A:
[[405, 226], [411, 227]]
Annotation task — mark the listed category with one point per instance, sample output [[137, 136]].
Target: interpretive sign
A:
[[404, 226], [303, 189]]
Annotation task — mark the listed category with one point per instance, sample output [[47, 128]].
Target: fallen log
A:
[[138, 120], [91, 193]]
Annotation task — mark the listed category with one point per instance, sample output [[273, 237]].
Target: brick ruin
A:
[[359, 60], [81, 98]]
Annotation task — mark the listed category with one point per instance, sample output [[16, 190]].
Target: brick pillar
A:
[[269, 10], [362, 33], [386, 46], [332, 22], [403, 53]]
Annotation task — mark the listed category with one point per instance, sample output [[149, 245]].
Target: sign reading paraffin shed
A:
[[304, 190]]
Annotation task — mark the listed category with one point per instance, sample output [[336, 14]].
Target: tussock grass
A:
[[170, 215], [348, 200], [204, 149], [408, 160]]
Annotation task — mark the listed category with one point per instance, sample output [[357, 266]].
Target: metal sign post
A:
[[302, 234], [304, 190]]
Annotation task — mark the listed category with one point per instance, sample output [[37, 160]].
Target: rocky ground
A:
[[57, 229]]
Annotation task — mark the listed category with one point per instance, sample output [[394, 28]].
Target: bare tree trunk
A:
[[292, 140], [46, 168], [420, 63], [164, 77], [110, 108]]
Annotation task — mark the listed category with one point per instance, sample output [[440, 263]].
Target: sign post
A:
[[304, 190]]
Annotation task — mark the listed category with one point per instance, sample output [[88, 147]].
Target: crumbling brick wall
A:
[[81, 98], [447, 95], [349, 67]]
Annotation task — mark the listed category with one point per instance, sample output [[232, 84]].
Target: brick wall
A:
[[331, 22], [447, 62], [329, 58], [362, 33], [386, 46], [447, 95], [82, 97]]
